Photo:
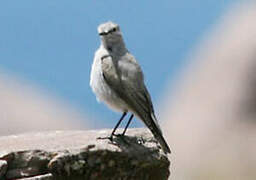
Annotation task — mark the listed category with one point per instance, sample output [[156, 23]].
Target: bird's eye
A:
[[114, 29]]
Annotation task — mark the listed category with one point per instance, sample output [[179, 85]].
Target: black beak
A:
[[109, 32], [103, 33]]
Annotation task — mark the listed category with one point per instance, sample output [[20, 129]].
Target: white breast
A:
[[103, 92]]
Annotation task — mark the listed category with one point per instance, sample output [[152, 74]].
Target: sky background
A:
[[51, 43]]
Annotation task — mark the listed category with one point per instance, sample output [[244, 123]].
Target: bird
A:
[[117, 80]]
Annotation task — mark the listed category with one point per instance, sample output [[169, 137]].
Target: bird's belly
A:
[[105, 94]]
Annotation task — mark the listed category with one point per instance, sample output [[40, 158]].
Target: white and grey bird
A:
[[117, 80]]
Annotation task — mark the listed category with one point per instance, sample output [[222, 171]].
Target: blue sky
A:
[[51, 43]]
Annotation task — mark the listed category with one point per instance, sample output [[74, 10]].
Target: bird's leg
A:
[[127, 125], [118, 123]]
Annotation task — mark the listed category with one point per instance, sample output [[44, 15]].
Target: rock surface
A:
[[3, 168], [82, 155]]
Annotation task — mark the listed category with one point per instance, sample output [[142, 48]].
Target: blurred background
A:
[[198, 58]]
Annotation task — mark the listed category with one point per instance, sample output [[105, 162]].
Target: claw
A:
[[108, 137]]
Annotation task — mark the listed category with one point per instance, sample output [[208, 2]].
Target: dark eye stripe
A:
[[112, 30], [105, 33]]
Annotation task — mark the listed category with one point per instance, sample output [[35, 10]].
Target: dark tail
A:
[[151, 123]]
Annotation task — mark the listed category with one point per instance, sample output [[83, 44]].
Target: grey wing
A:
[[126, 79]]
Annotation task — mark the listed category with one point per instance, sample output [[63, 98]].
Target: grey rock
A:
[[84, 155], [3, 168], [27, 163], [40, 177]]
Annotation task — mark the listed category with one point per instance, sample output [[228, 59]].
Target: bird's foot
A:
[[119, 135], [111, 136], [108, 137]]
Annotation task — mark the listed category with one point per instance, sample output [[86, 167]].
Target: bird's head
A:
[[110, 34], [108, 28]]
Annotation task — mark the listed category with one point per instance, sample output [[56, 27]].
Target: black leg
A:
[[127, 125], [118, 123]]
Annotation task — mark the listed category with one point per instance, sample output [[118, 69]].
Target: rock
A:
[[83, 155], [3, 168], [27, 163], [40, 177]]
